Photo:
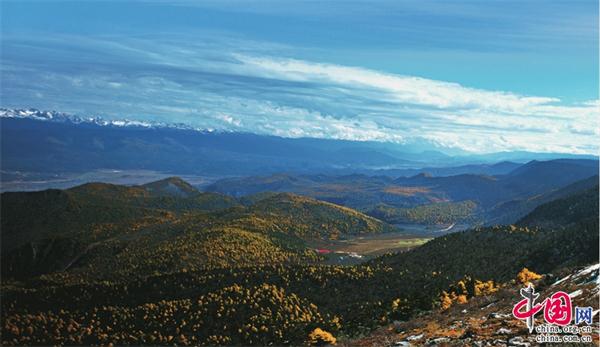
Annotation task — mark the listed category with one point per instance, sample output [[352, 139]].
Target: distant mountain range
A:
[[500, 199], [60, 117], [48, 141]]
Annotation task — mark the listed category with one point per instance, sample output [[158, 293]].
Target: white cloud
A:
[[228, 119], [248, 86], [405, 89], [450, 114]]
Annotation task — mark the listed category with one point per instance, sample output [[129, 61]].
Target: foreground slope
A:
[[487, 320], [564, 251]]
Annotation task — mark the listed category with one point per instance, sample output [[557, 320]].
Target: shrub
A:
[[320, 337], [526, 276]]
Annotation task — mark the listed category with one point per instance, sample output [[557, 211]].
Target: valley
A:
[[357, 249], [433, 230]]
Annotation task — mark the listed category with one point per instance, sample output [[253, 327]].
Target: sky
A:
[[479, 76]]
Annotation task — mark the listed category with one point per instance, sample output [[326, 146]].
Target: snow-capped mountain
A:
[[54, 116]]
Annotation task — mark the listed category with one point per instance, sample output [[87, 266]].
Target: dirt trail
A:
[[84, 252]]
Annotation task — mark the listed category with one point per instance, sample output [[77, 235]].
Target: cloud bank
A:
[[219, 82]]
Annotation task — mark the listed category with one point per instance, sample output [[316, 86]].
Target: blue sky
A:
[[483, 76]]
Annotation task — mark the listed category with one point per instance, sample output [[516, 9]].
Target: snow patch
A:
[[576, 293], [415, 337], [560, 281], [53, 116], [503, 331], [588, 270]]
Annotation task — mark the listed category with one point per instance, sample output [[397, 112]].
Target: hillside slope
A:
[[567, 225], [56, 213], [513, 210], [166, 226], [575, 208], [487, 320]]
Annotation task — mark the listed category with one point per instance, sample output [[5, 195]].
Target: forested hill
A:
[[576, 208], [166, 225]]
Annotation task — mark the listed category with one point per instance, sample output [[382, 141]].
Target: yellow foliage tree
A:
[[445, 301], [320, 337], [461, 299], [526, 276], [462, 287], [485, 288]]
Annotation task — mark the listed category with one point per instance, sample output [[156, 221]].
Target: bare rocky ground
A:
[[488, 320]]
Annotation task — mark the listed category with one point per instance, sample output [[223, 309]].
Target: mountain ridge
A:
[[501, 199], [57, 142]]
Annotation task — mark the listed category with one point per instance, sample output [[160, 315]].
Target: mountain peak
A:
[[171, 186], [422, 175]]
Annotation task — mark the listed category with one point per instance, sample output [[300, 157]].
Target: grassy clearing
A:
[[374, 245]]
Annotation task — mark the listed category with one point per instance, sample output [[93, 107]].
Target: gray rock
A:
[[437, 341], [518, 341], [488, 305], [499, 315], [415, 337], [503, 331]]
